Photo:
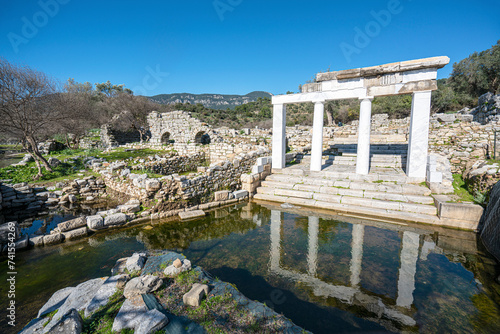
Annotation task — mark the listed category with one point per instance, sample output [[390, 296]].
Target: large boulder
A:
[[490, 223], [136, 316], [55, 301], [136, 262]]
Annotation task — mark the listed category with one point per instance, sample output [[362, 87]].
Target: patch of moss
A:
[[461, 190]]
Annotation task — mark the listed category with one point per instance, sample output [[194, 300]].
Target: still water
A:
[[327, 273]]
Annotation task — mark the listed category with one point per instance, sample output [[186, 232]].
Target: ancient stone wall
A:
[[176, 164], [178, 127]]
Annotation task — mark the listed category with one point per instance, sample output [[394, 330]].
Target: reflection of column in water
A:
[[257, 220], [312, 257], [427, 248], [275, 239], [408, 257], [358, 233]]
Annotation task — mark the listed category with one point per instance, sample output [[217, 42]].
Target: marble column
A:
[[358, 234], [275, 252], [363, 153], [312, 256], [408, 269], [279, 136], [317, 136], [418, 141]]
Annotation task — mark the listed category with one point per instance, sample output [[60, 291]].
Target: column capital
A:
[[319, 102], [370, 98]]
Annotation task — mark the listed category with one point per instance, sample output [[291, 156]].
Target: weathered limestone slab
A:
[[78, 299], [72, 224], [191, 214], [136, 316], [55, 301], [36, 240], [101, 298]]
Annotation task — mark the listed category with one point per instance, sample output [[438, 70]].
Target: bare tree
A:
[[27, 99], [131, 112], [79, 112]]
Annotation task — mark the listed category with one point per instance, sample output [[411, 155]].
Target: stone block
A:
[[55, 301], [36, 240], [257, 169], [195, 295], [240, 194], [52, 239], [76, 234], [72, 224], [459, 211], [262, 161], [222, 195], [191, 214], [95, 222], [115, 219]]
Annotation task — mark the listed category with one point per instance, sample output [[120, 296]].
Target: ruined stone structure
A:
[[417, 77], [178, 127]]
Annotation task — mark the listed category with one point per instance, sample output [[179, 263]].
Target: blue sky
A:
[[235, 46]]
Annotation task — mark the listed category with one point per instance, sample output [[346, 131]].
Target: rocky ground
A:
[[156, 293]]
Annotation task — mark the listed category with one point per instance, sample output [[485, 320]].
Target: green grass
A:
[[461, 190], [26, 173]]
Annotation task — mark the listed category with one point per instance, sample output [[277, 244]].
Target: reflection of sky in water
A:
[[325, 274]]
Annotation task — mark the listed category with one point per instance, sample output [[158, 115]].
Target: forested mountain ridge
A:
[[214, 101]]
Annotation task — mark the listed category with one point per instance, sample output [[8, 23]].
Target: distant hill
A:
[[214, 101]]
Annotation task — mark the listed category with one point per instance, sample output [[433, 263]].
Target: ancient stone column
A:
[[418, 141], [279, 135], [317, 136], [408, 259], [363, 153], [275, 239], [358, 234], [312, 256]]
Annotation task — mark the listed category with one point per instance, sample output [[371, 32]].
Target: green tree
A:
[[478, 74]]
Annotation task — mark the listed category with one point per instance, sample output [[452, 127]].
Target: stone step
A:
[[384, 152], [348, 174], [355, 189], [351, 206], [386, 187]]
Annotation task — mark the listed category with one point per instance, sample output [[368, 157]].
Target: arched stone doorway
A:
[[202, 138], [165, 139]]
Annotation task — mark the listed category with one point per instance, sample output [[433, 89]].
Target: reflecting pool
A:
[[327, 273]]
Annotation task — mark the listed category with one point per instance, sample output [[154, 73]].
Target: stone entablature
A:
[[178, 127], [388, 79]]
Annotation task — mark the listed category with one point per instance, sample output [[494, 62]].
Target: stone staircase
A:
[[386, 192]]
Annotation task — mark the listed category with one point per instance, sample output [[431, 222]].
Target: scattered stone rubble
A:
[[140, 309]]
